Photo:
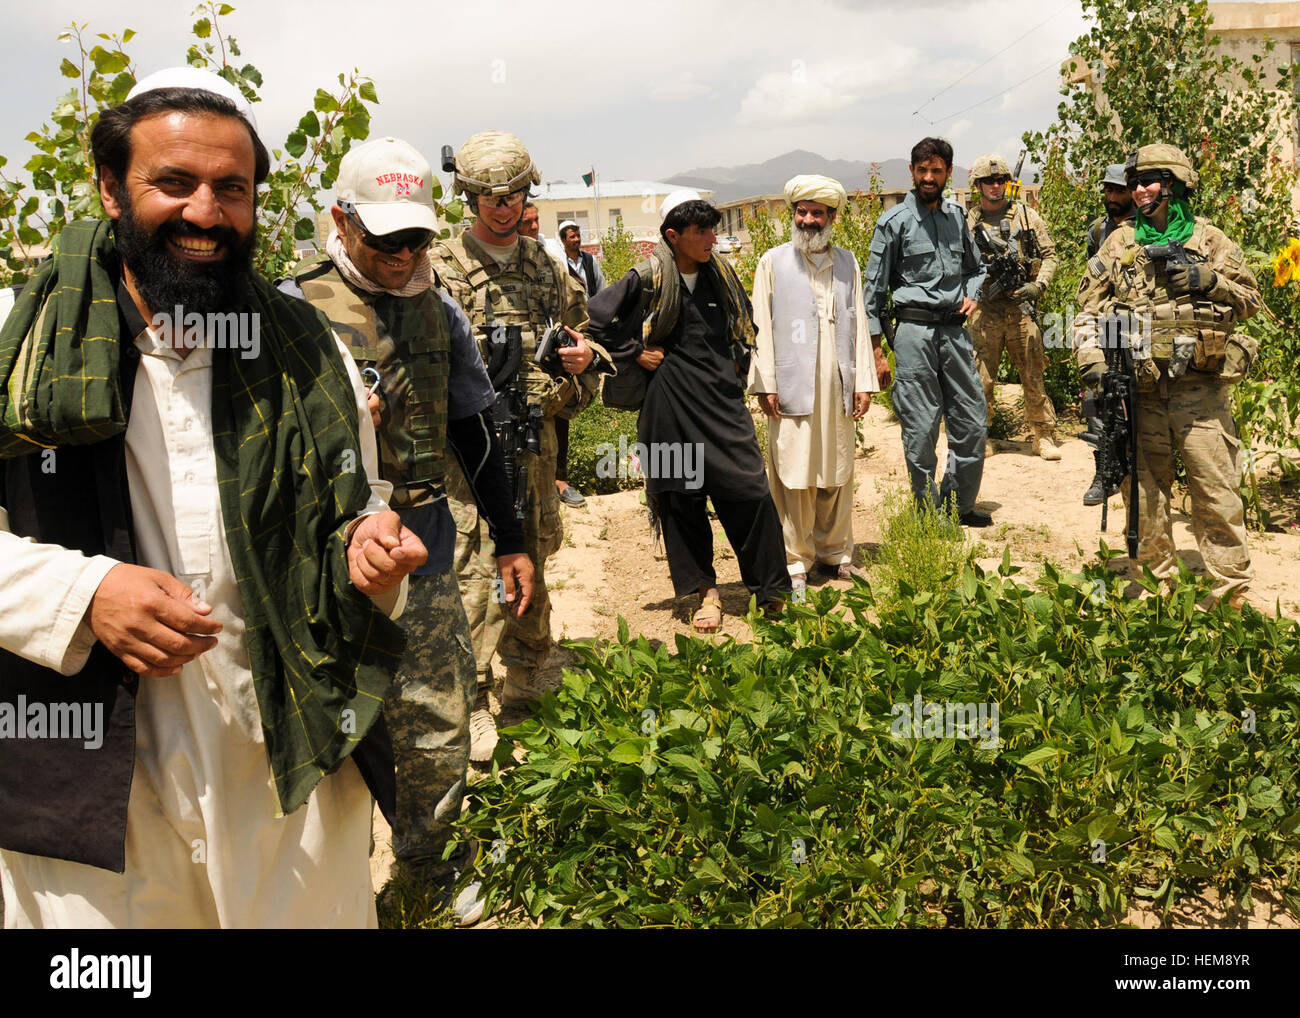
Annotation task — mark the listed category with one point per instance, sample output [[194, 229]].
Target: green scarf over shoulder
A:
[[290, 480]]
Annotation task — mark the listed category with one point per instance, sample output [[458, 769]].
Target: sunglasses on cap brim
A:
[[415, 239]]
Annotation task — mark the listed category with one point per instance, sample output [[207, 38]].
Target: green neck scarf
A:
[[289, 477], [1179, 224]]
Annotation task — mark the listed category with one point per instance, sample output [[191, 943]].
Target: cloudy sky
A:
[[638, 90]]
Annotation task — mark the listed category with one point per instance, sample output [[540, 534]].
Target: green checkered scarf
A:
[[290, 480]]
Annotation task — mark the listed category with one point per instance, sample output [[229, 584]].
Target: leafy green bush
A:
[[594, 438], [1143, 748], [921, 549], [618, 252]]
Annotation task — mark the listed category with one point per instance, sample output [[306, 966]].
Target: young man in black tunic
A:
[[684, 317]]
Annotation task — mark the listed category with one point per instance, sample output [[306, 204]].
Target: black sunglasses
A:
[[1147, 179], [415, 239]]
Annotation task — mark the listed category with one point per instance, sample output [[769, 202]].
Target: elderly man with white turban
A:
[[814, 372]]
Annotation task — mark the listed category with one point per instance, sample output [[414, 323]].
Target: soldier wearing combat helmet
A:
[[513, 291], [1182, 285], [1007, 319]]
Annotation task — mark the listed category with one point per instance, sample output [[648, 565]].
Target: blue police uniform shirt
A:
[[926, 257]]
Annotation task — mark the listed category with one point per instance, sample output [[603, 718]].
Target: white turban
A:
[[815, 187]]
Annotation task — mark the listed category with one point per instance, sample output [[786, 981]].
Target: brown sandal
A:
[[710, 610]]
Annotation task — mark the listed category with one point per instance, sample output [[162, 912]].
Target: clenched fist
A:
[[381, 552]]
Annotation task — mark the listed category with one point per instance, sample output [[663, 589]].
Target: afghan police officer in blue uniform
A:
[[923, 253]]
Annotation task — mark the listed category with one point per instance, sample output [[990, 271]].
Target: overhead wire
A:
[[984, 63], [996, 95]]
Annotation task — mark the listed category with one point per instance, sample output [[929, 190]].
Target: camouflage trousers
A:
[[427, 711], [1194, 415], [524, 642], [1002, 324]]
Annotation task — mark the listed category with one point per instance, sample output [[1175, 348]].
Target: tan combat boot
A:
[[1045, 442], [482, 729]]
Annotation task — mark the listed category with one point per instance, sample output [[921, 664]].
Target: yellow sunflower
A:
[[1286, 265]]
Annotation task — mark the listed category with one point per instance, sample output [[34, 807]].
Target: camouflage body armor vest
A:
[[1198, 325], [1020, 234], [408, 341], [524, 294]]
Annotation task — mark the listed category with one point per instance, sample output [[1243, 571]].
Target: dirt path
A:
[[608, 565]]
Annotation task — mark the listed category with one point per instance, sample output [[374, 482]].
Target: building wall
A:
[[1244, 30], [639, 213]]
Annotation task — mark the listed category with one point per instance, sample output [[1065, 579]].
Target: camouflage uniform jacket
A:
[[531, 291], [1037, 252], [1120, 277]]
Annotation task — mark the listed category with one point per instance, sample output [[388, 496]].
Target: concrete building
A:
[[633, 202]]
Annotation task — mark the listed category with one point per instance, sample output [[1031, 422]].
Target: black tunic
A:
[[695, 395]]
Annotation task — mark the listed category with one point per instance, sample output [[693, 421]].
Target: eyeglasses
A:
[[1000, 181], [505, 201], [415, 240], [1148, 179]]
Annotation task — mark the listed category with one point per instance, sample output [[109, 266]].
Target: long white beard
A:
[[811, 241]]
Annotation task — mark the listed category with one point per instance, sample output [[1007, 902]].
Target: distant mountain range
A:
[[731, 182]]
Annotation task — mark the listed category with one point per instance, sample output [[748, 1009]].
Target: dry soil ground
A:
[[608, 566]]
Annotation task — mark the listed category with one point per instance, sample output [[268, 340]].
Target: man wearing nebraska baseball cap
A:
[[375, 285], [389, 186]]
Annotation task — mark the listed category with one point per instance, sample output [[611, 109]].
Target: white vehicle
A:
[[726, 245]]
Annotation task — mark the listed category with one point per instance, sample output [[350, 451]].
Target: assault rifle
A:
[[514, 422], [1116, 402], [1005, 272]]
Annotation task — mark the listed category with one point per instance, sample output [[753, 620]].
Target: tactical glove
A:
[[1030, 292], [1091, 374], [1191, 279]]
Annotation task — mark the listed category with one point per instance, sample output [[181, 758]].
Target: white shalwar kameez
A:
[[206, 845], [810, 459]]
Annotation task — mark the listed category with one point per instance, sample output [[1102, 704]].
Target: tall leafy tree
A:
[[60, 185], [1156, 73]]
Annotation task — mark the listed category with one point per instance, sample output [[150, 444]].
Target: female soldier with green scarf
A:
[[1187, 356]]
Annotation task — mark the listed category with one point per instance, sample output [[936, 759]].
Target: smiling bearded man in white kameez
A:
[[814, 372]]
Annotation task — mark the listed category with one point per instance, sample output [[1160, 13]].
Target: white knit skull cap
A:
[[195, 77], [677, 198]]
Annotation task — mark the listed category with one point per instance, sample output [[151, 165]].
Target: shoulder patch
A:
[[1097, 268]]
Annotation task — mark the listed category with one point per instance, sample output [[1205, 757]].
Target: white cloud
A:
[[683, 88], [813, 92], [568, 78]]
